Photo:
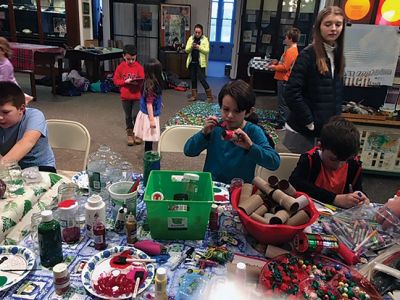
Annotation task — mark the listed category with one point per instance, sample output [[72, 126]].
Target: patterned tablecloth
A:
[[23, 54], [39, 284], [16, 210]]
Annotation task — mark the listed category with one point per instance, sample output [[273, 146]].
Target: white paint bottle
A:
[[95, 208]]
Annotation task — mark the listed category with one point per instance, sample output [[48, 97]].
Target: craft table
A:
[[94, 56]]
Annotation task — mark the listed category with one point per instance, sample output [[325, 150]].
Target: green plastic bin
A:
[[178, 219]]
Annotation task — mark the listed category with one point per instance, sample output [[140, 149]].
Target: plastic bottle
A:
[[50, 244], [213, 223], [97, 171], [161, 284], [62, 281], [99, 235], [68, 216], [131, 229], [95, 208], [120, 219]]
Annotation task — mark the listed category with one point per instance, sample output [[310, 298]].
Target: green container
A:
[[178, 219]]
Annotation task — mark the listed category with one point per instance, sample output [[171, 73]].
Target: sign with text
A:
[[371, 54]]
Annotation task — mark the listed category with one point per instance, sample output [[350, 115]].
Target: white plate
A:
[[81, 179], [14, 257], [101, 263]]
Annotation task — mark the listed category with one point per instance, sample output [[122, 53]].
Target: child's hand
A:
[[363, 199], [384, 217], [152, 123], [209, 124], [128, 80], [347, 200], [244, 141]]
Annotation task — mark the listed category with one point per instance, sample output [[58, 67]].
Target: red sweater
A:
[[129, 91]]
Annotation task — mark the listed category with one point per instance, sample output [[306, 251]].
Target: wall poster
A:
[[175, 25]]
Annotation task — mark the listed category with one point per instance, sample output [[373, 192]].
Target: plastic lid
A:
[[241, 266], [67, 204], [161, 273], [214, 206], [60, 270], [94, 200], [191, 176], [47, 215]]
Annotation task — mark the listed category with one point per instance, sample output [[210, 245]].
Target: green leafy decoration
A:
[[38, 191], [7, 223], [25, 232], [27, 207], [20, 191], [54, 178], [11, 206], [9, 241], [41, 206]]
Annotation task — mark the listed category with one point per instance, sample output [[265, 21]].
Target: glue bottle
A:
[[161, 284], [120, 220], [131, 227]]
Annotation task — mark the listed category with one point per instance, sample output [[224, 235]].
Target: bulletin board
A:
[[174, 25]]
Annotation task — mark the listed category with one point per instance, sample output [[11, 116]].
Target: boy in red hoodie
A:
[[129, 77]]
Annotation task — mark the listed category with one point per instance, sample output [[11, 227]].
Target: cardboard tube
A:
[[273, 251], [302, 201], [245, 193], [288, 202], [251, 204], [300, 218], [261, 210], [268, 217], [273, 181], [286, 187], [282, 216], [262, 185], [258, 218]]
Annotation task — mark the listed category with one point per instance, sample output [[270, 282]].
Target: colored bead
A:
[[338, 267], [301, 262], [320, 266], [344, 295], [341, 283], [348, 275], [345, 289]]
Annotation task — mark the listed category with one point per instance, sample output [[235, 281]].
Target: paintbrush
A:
[[121, 260], [134, 186]]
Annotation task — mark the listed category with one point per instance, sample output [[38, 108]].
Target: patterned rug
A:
[[195, 114]]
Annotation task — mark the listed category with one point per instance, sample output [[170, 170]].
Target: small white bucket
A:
[[119, 194]]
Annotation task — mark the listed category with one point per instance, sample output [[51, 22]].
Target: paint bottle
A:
[[68, 213], [213, 223], [99, 235], [120, 220], [50, 243], [131, 227], [161, 284], [61, 279], [241, 272], [95, 208]]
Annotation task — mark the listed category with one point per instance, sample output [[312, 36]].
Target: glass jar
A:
[[68, 217]]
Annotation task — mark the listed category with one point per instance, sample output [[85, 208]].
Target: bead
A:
[[314, 267], [338, 267], [312, 276], [345, 289], [301, 262], [341, 283], [344, 295], [348, 275]]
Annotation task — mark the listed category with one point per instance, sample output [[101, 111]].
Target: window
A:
[[222, 13]]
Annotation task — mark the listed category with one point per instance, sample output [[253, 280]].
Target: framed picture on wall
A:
[[175, 24], [86, 21], [85, 8]]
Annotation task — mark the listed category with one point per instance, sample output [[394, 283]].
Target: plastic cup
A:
[[119, 195], [236, 183], [151, 161], [36, 218]]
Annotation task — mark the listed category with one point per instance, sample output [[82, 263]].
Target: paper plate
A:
[[81, 179], [221, 192], [14, 258], [101, 263]]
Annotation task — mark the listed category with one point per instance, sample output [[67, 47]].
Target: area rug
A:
[[197, 112]]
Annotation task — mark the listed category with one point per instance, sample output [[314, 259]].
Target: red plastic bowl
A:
[[272, 234]]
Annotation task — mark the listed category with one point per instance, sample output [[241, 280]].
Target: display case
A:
[[40, 21], [264, 24]]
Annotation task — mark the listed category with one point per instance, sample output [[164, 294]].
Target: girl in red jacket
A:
[[129, 77]]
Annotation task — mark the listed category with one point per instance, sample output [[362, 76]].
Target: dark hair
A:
[[130, 49], [241, 92], [10, 92], [152, 76], [341, 137], [293, 34], [318, 42], [200, 27], [5, 45]]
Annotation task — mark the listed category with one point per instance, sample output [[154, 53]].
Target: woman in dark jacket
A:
[[314, 90]]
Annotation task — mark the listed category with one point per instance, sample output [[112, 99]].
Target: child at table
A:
[[6, 68], [228, 159], [331, 173], [23, 131], [129, 77], [147, 125]]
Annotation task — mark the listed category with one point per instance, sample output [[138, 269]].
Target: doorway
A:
[[221, 36]]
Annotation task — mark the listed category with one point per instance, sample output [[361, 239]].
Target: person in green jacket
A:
[[198, 48]]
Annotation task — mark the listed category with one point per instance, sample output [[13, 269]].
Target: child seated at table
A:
[[331, 173], [23, 131], [237, 157]]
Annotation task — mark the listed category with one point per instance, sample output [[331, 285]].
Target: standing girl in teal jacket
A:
[[198, 48]]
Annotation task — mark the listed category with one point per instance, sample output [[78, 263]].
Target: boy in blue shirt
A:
[[23, 131], [236, 158]]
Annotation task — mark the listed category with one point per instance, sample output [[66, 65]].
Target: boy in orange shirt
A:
[[129, 77], [282, 72]]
